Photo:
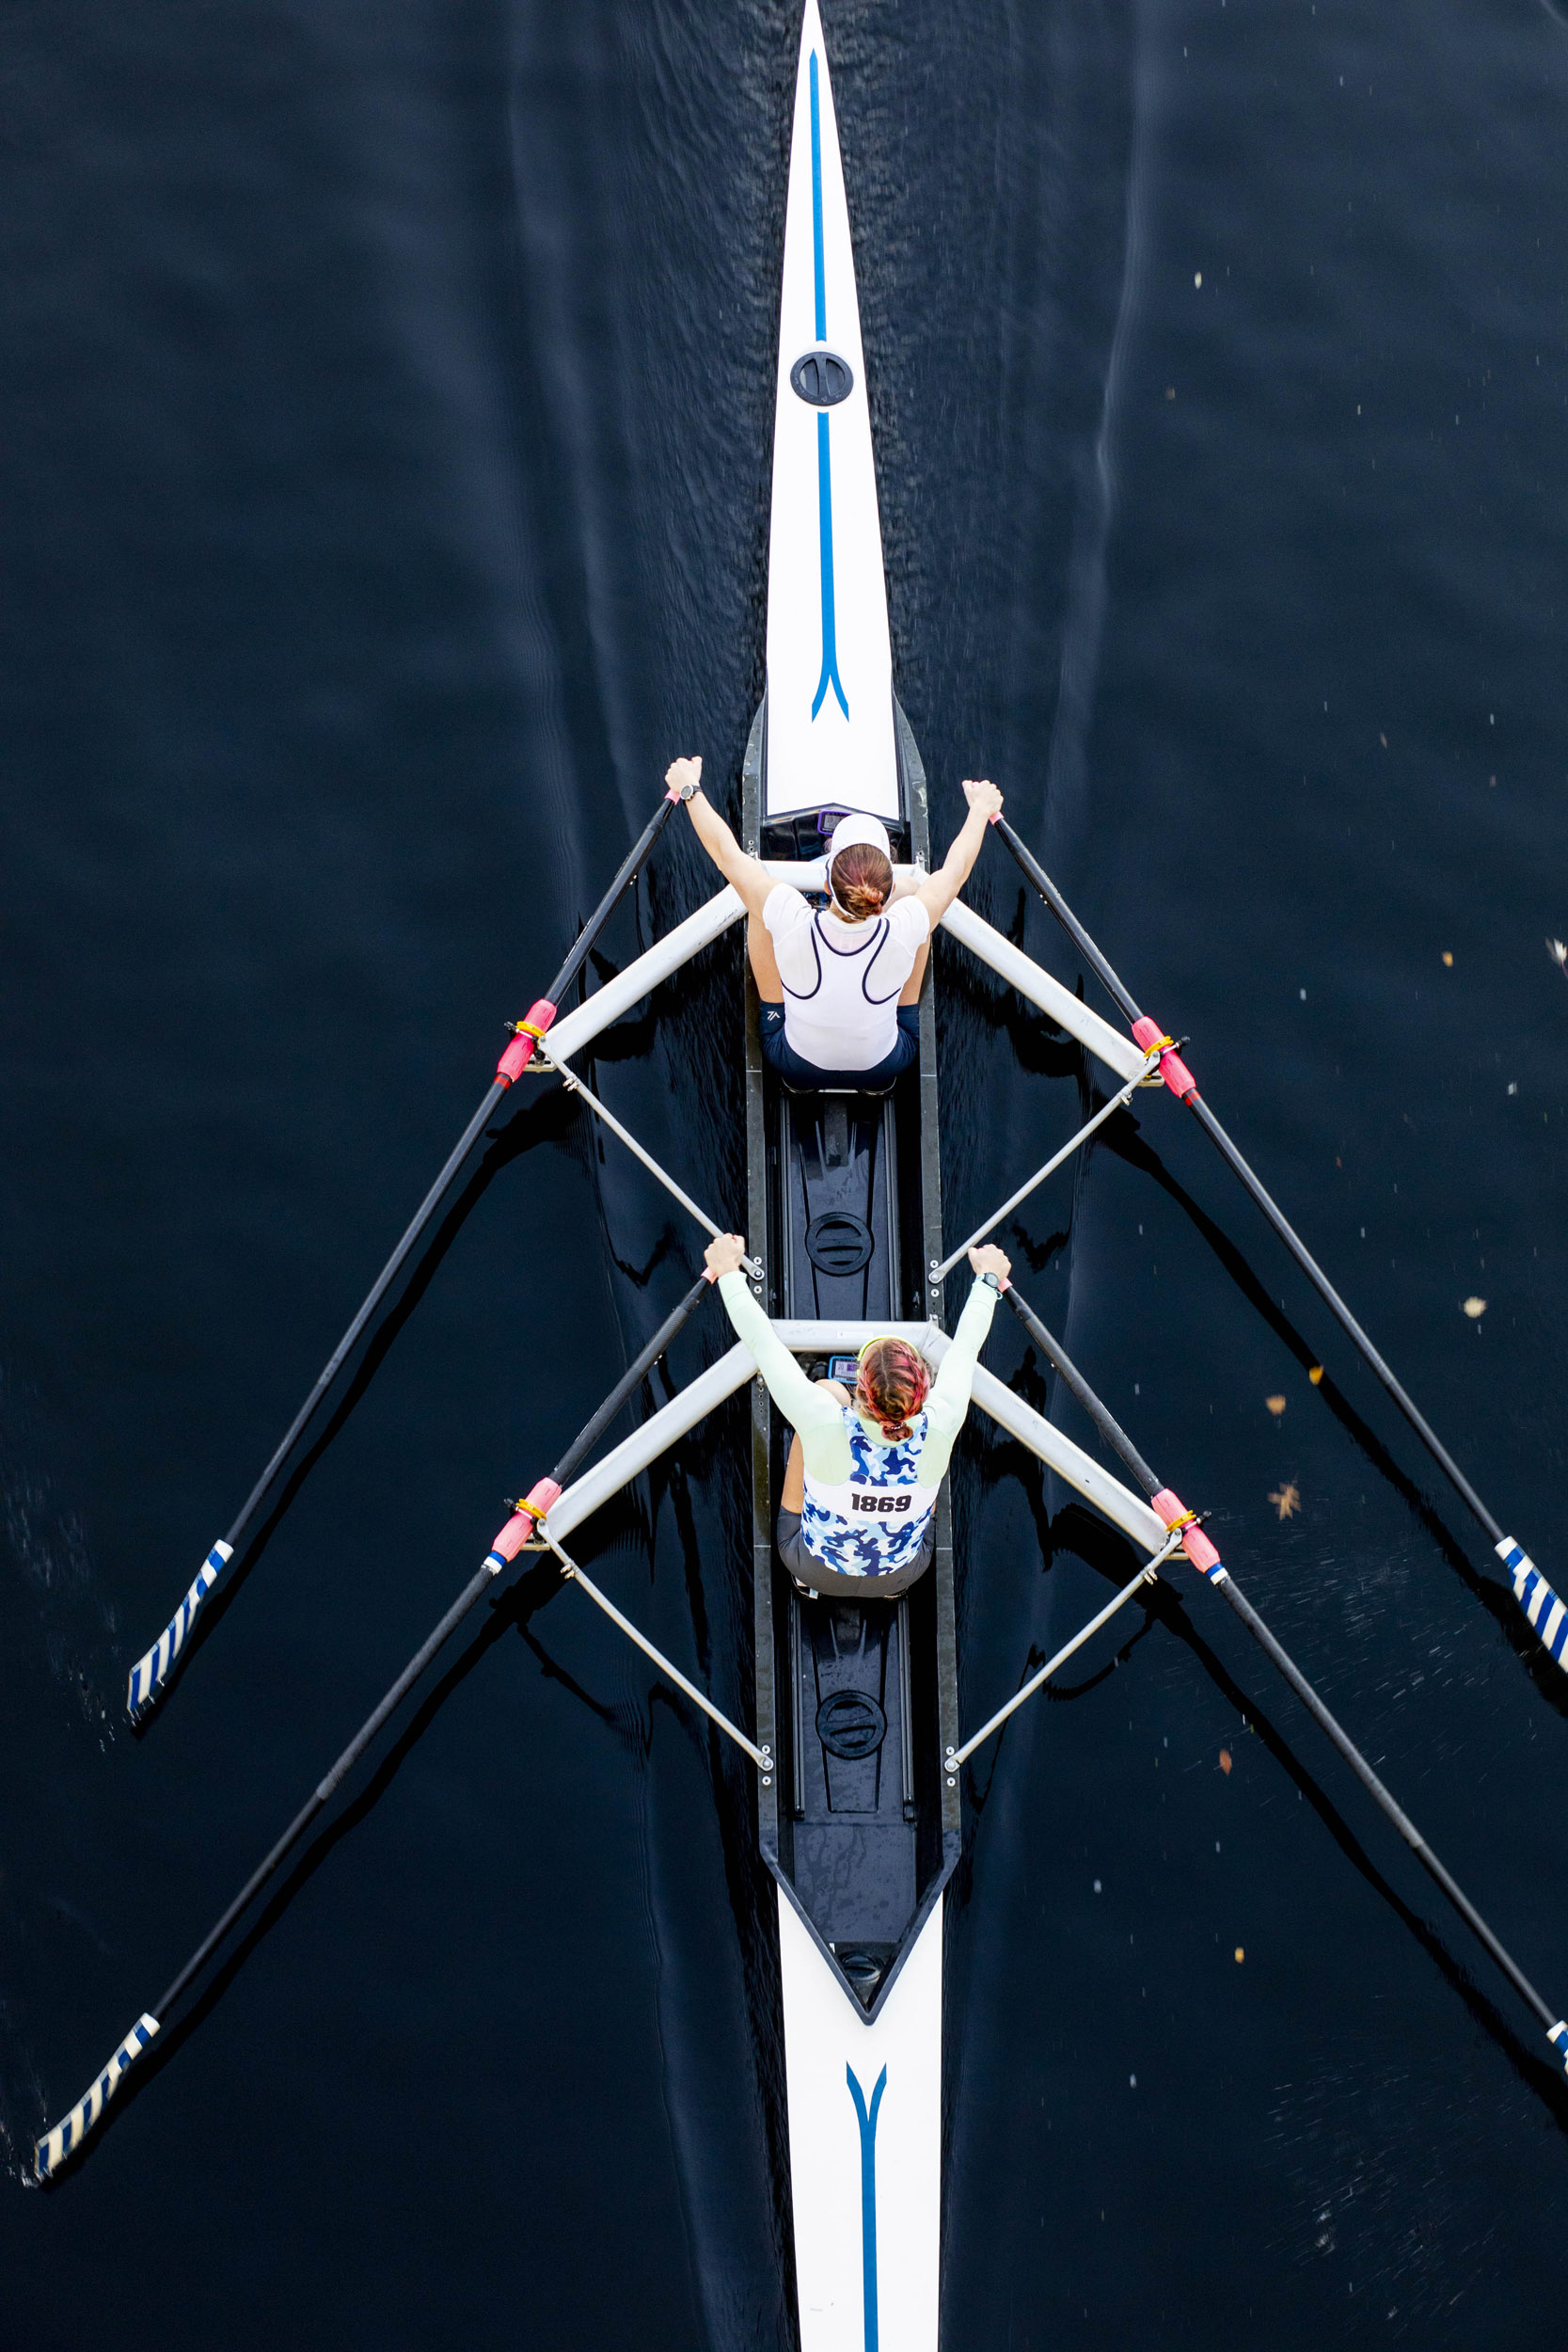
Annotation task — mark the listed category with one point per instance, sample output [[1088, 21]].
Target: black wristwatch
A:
[[995, 1282], [686, 791]]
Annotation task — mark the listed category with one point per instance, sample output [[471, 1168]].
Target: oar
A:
[[1547, 1613], [151, 1674], [52, 2149], [1200, 1551]]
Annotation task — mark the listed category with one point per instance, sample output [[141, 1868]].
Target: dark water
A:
[[386, 401]]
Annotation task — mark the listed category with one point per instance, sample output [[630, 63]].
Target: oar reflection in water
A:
[[520, 1531], [151, 1674], [1203, 1556], [1544, 1610]]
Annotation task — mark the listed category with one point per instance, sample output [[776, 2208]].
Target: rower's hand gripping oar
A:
[[1546, 1612], [150, 1676], [66, 2135], [1169, 1507]]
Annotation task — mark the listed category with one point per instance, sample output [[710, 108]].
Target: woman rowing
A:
[[858, 1512], [840, 989]]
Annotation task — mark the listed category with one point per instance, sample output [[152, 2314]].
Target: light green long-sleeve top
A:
[[817, 1418]]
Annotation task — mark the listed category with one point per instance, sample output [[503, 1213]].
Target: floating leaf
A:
[[1275, 1405], [1448, 958], [1475, 1308], [1241, 1954], [1315, 1373], [1557, 950], [1224, 1761], [1287, 1499]]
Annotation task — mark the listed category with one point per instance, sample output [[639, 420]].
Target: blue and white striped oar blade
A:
[[149, 1674], [53, 2148], [1535, 1597], [1557, 2036]]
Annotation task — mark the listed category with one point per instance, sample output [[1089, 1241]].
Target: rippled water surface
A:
[[385, 398]]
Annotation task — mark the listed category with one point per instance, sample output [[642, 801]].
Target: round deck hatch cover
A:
[[822, 378], [851, 1725], [838, 1242]]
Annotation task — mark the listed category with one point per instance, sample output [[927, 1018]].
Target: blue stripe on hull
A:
[[867, 2123], [825, 517], [816, 205], [824, 464]]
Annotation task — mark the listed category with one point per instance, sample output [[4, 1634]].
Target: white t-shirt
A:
[[841, 980]]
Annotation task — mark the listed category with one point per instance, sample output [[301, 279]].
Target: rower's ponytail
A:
[[892, 1386], [862, 881]]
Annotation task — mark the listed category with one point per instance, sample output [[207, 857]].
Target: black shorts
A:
[[778, 1053], [805, 1568]]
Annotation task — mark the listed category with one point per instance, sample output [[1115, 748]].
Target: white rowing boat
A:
[[856, 1743]]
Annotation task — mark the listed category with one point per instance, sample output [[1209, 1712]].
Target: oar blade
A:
[[1547, 1614], [149, 1674], [68, 2135]]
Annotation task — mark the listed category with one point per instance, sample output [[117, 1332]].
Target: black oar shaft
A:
[[384, 1281], [630, 865], [1394, 1811], [1109, 1428], [1068, 921], [630, 1382], [150, 1676], [1264, 1199], [66, 2138], [1118, 1438], [325, 1787], [66, 2135], [1348, 1323], [623, 1387]]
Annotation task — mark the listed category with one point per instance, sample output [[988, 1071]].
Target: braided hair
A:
[[892, 1386]]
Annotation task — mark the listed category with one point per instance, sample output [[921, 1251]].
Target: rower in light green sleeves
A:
[[857, 1516]]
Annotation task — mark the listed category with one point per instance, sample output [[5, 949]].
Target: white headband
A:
[[850, 832]]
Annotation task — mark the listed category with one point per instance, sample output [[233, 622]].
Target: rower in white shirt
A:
[[840, 987]]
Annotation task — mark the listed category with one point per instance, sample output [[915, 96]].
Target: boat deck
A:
[[856, 1699]]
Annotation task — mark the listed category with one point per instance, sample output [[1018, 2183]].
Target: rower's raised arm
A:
[[811, 1411], [683, 778], [947, 1405], [937, 893]]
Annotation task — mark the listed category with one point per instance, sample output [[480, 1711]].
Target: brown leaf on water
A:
[[1275, 1405], [1315, 1373], [1224, 1761], [1447, 956], [1240, 1955], [1287, 1499]]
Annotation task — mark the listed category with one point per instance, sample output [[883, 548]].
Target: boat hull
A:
[[864, 2148], [830, 662]]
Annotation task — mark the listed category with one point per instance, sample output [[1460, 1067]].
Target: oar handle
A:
[[546, 1492], [1068, 921], [528, 1032], [1057, 1355], [630, 1380]]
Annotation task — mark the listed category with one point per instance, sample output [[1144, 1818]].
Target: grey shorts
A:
[[807, 1569]]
